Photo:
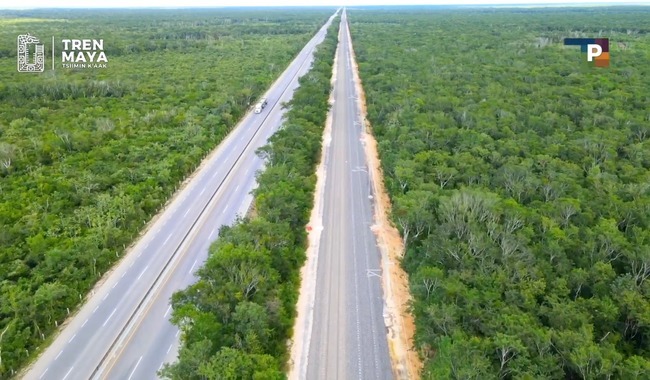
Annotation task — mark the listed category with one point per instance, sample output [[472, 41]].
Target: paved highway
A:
[[348, 335], [122, 332]]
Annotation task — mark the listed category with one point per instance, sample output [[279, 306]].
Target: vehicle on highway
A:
[[260, 105]]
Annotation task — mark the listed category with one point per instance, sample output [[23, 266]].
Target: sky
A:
[[27, 4]]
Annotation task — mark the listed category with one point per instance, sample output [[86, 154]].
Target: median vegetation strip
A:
[[237, 318], [87, 157], [518, 176]]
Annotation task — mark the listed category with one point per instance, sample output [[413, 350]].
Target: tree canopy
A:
[[519, 175]]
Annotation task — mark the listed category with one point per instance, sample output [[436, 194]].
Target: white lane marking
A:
[[114, 285], [133, 262], [96, 307], [202, 191], [145, 246], [214, 175], [109, 317], [60, 352], [161, 364], [224, 210], [43, 374], [236, 188], [86, 321], [68, 374], [170, 347], [184, 215], [106, 296], [177, 332], [166, 240], [134, 368], [141, 273], [212, 233], [123, 275], [246, 173], [192, 268], [166, 312], [71, 339]]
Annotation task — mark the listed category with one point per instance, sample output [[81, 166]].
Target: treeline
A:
[[87, 157], [151, 30], [236, 319], [520, 180]]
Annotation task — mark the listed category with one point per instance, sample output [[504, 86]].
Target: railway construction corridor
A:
[[348, 335]]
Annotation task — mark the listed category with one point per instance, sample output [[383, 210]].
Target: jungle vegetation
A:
[[520, 180], [88, 156]]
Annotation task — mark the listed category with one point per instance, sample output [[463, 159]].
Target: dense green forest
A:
[[88, 156], [237, 318], [520, 180]]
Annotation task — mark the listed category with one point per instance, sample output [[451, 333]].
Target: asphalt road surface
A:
[[348, 337], [123, 332]]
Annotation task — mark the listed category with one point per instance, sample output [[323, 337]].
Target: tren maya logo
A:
[[75, 54], [597, 49]]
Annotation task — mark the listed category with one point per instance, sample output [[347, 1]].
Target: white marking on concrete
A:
[[43, 374], [71, 339], [86, 321], [141, 273], [170, 347], [67, 374], [192, 268], [166, 240], [134, 368], [60, 352], [167, 312], [109, 317], [96, 307]]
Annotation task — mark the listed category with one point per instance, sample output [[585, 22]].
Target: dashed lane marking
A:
[[141, 273], [109, 317], [134, 368], [68, 374]]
